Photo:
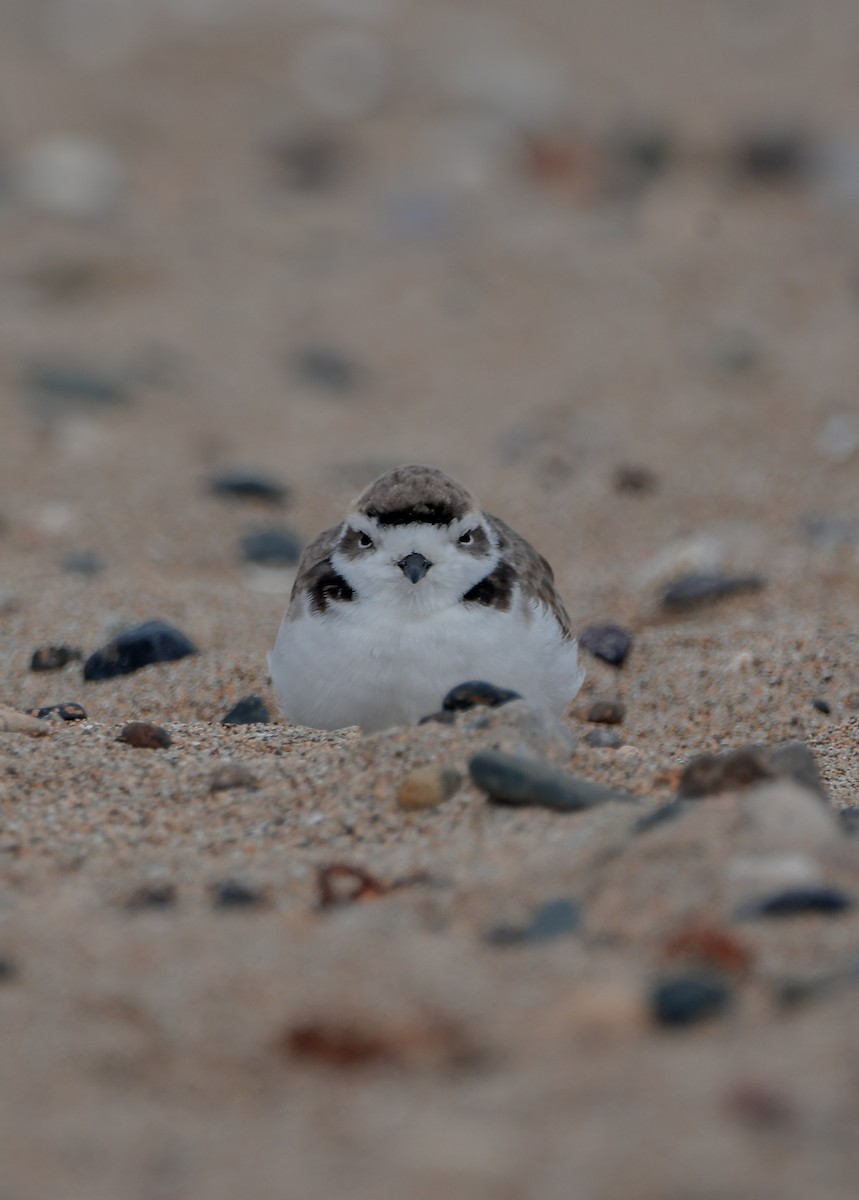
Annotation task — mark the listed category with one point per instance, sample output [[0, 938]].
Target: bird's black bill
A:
[[414, 566]]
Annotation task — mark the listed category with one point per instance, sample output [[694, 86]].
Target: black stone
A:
[[308, 162], [68, 712], [8, 970], [603, 738], [232, 893], [271, 547], [553, 919], [509, 779], [796, 901], [250, 710], [690, 591], [81, 562], [476, 693], [248, 485], [822, 706], [611, 643], [54, 658], [687, 999], [152, 642], [327, 369]]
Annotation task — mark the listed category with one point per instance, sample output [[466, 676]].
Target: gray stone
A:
[[510, 779]]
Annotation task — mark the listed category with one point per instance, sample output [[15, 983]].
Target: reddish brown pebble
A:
[[340, 883], [759, 1105], [143, 735], [354, 1042], [232, 775], [708, 946], [606, 712]]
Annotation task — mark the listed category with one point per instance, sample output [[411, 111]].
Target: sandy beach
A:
[[598, 262]]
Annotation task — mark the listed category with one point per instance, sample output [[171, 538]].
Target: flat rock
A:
[[611, 643], [12, 721], [797, 901], [709, 774], [248, 485], [250, 710], [152, 642], [273, 547], [509, 779], [693, 591]]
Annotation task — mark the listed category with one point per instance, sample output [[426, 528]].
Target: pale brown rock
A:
[[427, 787], [12, 721]]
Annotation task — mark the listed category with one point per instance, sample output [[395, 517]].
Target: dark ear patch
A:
[[326, 587], [479, 544], [494, 590], [422, 513], [350, 543]]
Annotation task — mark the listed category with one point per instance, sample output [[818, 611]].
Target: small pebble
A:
[[250, 710], [709, 774], [772, 155], [8, 970], [74, 176], [232, 893], [849, 819], [54, 658], [143, 735], [606, 712], [603, 739], [477, 693], [832, 531], [232, 775], [81, 562], [57, 387], [555, 918], [12, 721], [636, 481], [427, 787], [152, 642], [151, 895], [687, 999], [796, 901], [271, 547], [66, 712], [709, 946], [309, 162], [822, 706], [611, 643], [249, 485], [327, 369], [690, 591], [510, 779]]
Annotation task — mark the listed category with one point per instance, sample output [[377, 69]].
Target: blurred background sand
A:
[[598, 260]]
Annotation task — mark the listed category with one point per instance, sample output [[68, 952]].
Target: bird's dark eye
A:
[[466, 538], [365, 542]]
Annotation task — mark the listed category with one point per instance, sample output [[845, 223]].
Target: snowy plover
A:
[[415, 592]]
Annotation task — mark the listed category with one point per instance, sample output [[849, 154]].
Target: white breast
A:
[[357, 665]]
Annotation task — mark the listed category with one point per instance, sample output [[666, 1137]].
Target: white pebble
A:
[[71, 175]]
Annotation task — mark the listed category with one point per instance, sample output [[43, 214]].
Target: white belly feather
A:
[[358, 667]]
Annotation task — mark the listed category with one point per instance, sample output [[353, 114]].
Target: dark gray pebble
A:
[[55, 387], [603, 738], [54, 658], [509, 779], [690, 591], [849, 819], [67, 712], [611, 643], [82, 562], [249, 485], [774, 155], [152, 642], [635, 481], [327, 369], [308, 162], [796, 901], [476, 693], [250, 710], [272, 547], [553, 919], [831, 529], [151, 896], [8, 970], [687, 999], [232, 893], [822, 706]]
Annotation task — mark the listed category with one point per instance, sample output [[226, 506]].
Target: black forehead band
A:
[[415, 514]]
